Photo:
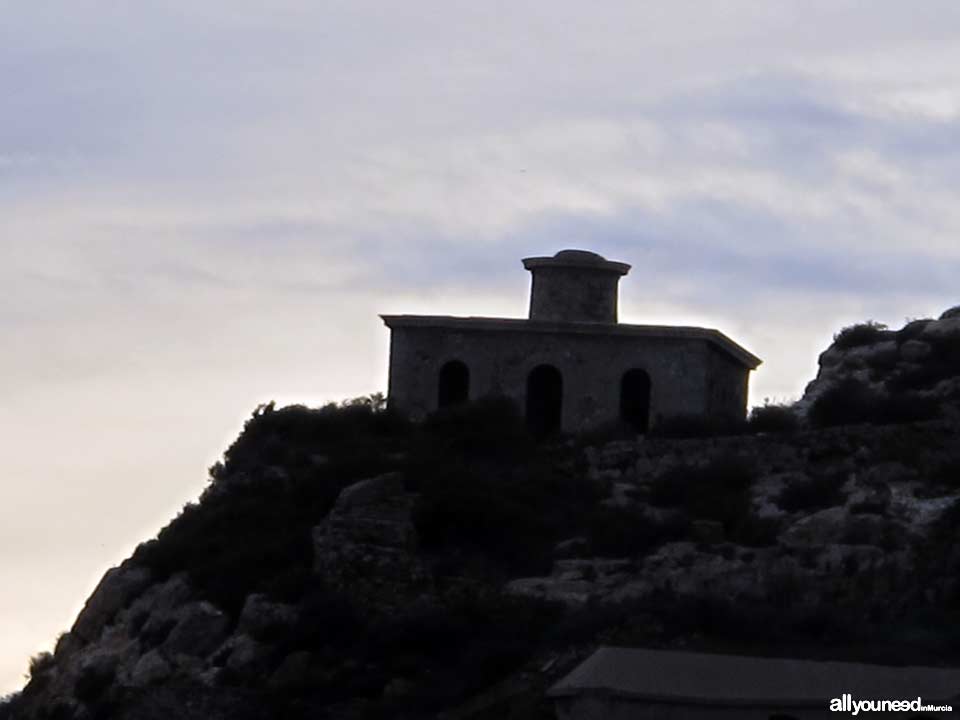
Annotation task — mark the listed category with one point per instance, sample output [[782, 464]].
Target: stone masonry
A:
[[570, 366]]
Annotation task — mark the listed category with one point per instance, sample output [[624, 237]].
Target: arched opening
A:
[[635, 399], [453, 386], [544, 400]]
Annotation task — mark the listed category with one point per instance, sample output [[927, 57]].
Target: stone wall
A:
[[587, 295], [727, 385], [592, 366]]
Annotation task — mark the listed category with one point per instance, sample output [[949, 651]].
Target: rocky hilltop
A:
[[872, 373], [345, 564]]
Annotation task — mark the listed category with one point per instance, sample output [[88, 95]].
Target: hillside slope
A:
[[345, 564]]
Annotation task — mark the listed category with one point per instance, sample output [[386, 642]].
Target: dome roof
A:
[[584, 256]]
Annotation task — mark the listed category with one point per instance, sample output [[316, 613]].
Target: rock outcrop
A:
[[367, 544], [149, 641], [851, 533], [921, 360]]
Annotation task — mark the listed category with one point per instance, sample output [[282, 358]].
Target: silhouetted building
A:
[[634, 684], [571, 366]]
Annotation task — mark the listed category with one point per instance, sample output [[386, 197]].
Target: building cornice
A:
[[485, 324]]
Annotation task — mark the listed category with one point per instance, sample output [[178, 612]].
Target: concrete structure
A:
[[571, 366], [639, 684]]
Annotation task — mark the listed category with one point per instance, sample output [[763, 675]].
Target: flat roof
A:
[[578, 259], [447, 322], [708, 679]]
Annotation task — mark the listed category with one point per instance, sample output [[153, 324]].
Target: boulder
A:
[[616, 455], [821, 528], [572, 547], [151, 668], [707, 531], [915, 351], [95, 674], [248, 659], [118, 587], [367, 544], [572, 593], [888, 473], [261, 618], [621, 495], [297, 672], [372, 492], [872, 499], [199, 630], [946, 326]]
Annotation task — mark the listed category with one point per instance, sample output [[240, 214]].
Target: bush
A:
[[453, 648], [619, 532], [850, 402], [719, 490], [508, 515], [92, 681], [696, 426], [907, 407], [815, 493], [846, 403], [284, 473], [912, 330], [946, 471], [754, 531], [773, 418], [943, 363], [861, 334], [6, 707], [40, 664], [293, 437], [490, 427], [327, 619], [599, 435]]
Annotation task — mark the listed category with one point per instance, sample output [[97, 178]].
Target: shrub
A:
[[850, 401], [860, 334], [327, 619], [618, 532], [815, 493], [604, 433], [719, 490], [490, 427], [773, 418], [40, 664], [846, 403], [240, 538], [453, 648], [942, 363], [92, 681], [354, 431], [946, 471], [912, 330], [906, 407], [510, 515], [754, 531], [695, 426]]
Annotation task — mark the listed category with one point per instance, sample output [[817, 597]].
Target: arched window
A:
[[544, 400], [453, 385], [635, 399]]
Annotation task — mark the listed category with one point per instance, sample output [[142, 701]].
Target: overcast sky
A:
[[205, 205]]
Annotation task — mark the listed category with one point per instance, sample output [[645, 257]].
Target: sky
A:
[[206, 205]]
